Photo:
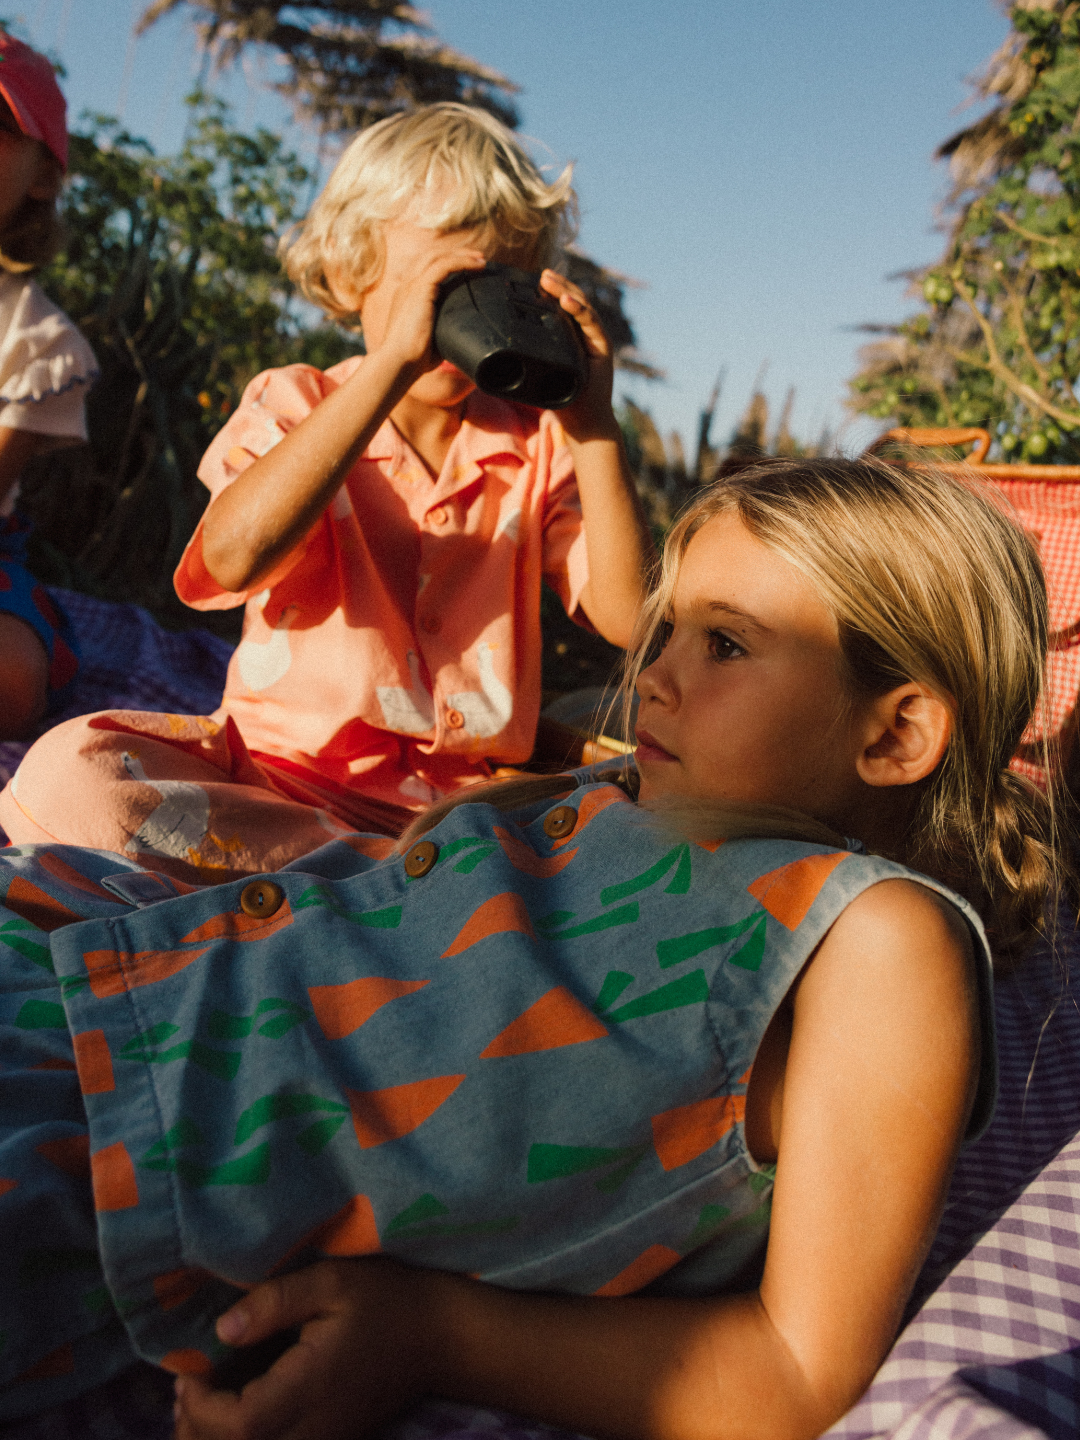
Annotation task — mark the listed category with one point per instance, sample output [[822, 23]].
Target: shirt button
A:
[[421, 858], [431, 625], [455, 719], [438, 516], [559, 822], [261, 898]]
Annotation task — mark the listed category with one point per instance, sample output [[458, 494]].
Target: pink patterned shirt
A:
[[397, 648]]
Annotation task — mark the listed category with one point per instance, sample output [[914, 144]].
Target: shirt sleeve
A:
[[61, 416], [272, 405], [566, 561], [46, 367]]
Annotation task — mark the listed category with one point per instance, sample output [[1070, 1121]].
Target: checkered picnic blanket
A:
[[1050, 512], [130, 663]]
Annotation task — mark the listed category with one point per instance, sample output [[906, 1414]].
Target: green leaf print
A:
[[615, 982], [144, 1049], [455, 847], [29, 949], [148, 1039], [270, 1108], [651, 876], [422, 1220], [692, 989], [688, 947], [223, 1026], [426, 1208], [625, 915], [250, 1169], [386, 919], [314, 1140], [184, 1132], [41, 1015], [469, 862], [709, 1222], [555, 919], [680, 883], [557, 1162]]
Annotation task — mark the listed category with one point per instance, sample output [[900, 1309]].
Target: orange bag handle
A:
[[943, 435]]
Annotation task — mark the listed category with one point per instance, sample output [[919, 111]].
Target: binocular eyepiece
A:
[[510, 337]]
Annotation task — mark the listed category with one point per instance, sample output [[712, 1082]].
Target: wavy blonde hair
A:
[[929, 582], [449, 166]]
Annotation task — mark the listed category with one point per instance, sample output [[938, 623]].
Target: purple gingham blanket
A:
[[991, 1348], [129, 663]]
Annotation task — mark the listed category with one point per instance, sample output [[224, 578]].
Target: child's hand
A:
[[353, 1369], [590, 415], [398, 312]]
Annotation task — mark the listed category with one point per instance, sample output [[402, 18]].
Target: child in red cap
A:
[[46, 368]]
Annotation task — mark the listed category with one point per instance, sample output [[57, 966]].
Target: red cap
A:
[[28, 84]]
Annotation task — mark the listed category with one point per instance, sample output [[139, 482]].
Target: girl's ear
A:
[[906, 733]]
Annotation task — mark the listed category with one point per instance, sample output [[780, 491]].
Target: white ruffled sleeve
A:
[[46, 367]]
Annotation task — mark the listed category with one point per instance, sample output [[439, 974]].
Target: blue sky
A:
[[761, 167]]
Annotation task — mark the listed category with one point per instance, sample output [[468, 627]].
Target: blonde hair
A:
[[929, 582], [450, 166]]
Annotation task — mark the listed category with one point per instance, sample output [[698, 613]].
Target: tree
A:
[[997, 343], [170, 270], [348, 62]]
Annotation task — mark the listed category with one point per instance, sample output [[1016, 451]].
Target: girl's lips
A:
[[650, 750]]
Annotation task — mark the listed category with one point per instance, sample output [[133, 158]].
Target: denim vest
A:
[[521, 1053]]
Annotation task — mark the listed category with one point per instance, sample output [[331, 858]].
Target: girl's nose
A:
[[654, 683]]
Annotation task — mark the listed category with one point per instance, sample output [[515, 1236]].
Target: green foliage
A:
[[170, 270], [997, 343], [205, 224]]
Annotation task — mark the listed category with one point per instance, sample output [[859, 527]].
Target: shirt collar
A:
[[491, 429]]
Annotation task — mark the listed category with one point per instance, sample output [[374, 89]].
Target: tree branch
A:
[[1027, 234], [997, 366], [1021, 329]]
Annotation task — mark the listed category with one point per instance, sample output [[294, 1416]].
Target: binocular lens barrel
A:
[[511, 338]]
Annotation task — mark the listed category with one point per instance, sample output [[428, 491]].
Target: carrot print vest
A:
[[521, 1052]]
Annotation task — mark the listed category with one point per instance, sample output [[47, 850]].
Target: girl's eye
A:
[[722, 647], [663, 635]]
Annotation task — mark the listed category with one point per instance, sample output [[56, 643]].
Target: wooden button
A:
[[560, 821], [437, 516], [455, 719], [421, 858], [261, 898]]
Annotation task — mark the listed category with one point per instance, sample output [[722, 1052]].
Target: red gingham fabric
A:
[[1050, 512]]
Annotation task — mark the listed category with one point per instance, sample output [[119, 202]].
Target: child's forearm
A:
[[268, 510], [637, 1369], [617, 539]]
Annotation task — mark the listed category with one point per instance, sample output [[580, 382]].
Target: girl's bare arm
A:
[[879, 1083]]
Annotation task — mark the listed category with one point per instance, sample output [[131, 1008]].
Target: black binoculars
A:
[[512, 338]]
